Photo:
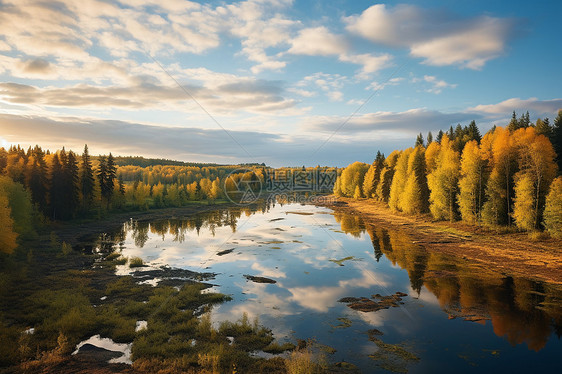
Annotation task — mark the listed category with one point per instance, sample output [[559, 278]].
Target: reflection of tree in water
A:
[[178, 228], [140, 233], [520, 310], [350, 223]]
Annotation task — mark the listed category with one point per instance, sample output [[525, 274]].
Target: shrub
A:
[[135, 262]]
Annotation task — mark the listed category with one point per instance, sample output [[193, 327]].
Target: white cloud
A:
[[407, 123], [4, 46], [234, 94], [436, 85], [301, 92], [335, 95], [376, 86], [437, 36], [330, 84], [318, 41], [533, 105]]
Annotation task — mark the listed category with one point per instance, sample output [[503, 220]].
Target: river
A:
[[456, 317]]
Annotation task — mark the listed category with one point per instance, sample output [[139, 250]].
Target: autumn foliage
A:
[[503, 178]]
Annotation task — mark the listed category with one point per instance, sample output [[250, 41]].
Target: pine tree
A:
[[107, 174], [472, 182], [87, 182], [71, 187], [439, 136], [102, 176], [419, 140], [514, 123], [473, 132], [543, 127], [387, 174], [37, 178], [556, 138], [372, 177], [56, 190], [429, 138], [111, 174], [553, 209]]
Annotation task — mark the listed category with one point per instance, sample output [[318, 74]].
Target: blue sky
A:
[[276, 81]]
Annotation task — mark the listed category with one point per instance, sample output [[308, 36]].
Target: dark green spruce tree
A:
[[87, 182]]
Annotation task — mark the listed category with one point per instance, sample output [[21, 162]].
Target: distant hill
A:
[[145, 162]]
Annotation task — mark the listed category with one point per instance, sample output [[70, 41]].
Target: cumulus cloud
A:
[[440, 38], [37, 66], [319, 41]]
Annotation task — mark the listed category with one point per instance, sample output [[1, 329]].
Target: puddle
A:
[[109, 345]]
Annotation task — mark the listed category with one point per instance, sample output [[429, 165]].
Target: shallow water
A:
[[456, 318]]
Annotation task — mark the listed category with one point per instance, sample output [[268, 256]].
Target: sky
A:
[[282, 82]]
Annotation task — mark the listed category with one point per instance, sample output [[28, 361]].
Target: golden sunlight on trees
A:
[[471, 183], [499, 191], [524, 212], [443, 182], [372, 177], [537, 169], [353, 177], [416, 193], [553, 209], [502, 177], [399, 180]]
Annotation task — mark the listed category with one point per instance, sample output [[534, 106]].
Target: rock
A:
[[225, 252], [260, 279]]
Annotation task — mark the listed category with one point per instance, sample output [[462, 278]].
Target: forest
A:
[[508, 177], [38, 186]]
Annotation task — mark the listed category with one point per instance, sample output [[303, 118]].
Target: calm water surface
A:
[[456, 317]]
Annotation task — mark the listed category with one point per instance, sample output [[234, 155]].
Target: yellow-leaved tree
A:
[[553, 209], [537, 169], [443, 182], [399, 180], [382, 192], [351, 177], [499, 148], [471, 183], [414, 199]]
